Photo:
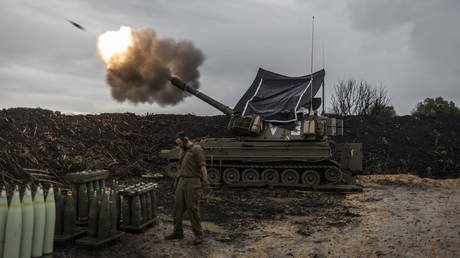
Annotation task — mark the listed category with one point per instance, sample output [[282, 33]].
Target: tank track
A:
[[296, 174]]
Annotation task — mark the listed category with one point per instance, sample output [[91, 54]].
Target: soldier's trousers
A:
[[187, 198]]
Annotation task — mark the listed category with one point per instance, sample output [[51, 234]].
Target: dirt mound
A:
[[126, 144], [129, 144], [424, 146]]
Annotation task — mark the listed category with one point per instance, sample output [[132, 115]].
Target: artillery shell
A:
[[93, 216], [104, 219], [59, 213], [153, 195], [50, 208], [144, 208], [3, 216], [39, 223], [118, 202], [90, 189], [126, 210], [82, 202], [75, 197], [113, 213], [13, 227], [96, 185], [69, 215], [148, 199], [27, 224], [136, 211]]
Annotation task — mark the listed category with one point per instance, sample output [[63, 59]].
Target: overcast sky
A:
[[411, 47]]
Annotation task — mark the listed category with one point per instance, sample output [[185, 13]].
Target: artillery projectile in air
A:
[[77, 25]]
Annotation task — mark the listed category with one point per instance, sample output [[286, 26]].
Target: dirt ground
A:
[[395, 216]]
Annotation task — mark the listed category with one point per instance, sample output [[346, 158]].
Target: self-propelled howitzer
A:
[[266, 152]]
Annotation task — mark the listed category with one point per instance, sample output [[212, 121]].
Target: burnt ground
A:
[[128, 145], [395, 216]]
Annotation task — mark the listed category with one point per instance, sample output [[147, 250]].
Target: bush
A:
[[434, 107]]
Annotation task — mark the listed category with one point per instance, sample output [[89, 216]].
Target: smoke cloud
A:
[[141, 73]]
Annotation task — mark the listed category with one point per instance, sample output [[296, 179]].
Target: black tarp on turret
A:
[[277, 98]]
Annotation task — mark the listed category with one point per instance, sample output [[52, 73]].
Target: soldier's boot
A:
[[174, 236], [198, 240]]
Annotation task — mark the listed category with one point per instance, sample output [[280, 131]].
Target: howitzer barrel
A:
[[179, 83]]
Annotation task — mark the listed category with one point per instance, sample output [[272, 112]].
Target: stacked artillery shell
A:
[[27, 224], [83, 185], [138, 206], [102, 221], [13, 227]]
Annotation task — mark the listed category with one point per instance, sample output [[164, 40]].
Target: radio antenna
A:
[[324, 82], [311, 66]]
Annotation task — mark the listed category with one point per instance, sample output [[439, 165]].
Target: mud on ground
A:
[[395, 216]]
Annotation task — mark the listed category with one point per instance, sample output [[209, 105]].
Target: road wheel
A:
[[231, 176], [311, 178], [290, 176], [250, 175], [270, 175], [214, 175], [333, 175]]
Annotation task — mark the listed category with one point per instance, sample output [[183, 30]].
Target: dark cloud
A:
[[433, 37], [408, 46]]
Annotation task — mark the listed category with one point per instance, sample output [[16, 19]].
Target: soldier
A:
[[192, 171]]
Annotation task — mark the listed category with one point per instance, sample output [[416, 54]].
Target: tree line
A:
[[352, 98]]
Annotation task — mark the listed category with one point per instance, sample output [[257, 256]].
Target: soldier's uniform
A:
[[189, 189]]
